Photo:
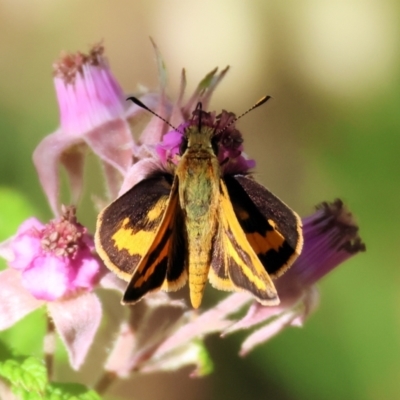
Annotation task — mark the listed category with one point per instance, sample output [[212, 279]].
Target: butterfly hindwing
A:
[[138, 234], [271, 227], [235, 265]]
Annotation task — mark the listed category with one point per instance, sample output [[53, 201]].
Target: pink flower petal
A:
[[176, 114], [118, 360], [204, 91], [268, 331], [6, 250], [25, 245], [188, 354], [113, 143], [195, 98], [169, 147], [15, 300], [256, 314], [162, 70], [24, 248], [87, 92], [29, 225], [206, 96], [77, 320], [113, 180], [46, 159], [293, 316], [310, 303], [111, 281], [139, 171], [88, 269], [73, 161], [214, 320], [48, 277], [156, 128]]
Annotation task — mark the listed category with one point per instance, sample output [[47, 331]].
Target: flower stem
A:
[[105, 382], [49, 347]]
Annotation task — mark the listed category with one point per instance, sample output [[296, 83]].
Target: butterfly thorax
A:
[[198, 174]]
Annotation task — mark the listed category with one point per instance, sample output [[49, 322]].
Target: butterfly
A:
[[199, 220]]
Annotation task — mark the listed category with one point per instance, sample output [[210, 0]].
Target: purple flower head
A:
[[169, 148], [55, 260], [330, 238], [230, 144], [228, 139]]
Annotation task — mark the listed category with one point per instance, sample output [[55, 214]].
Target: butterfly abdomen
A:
[[198, 176]]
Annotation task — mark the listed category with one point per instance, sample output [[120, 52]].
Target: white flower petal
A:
[[77, 320], [15, 300]]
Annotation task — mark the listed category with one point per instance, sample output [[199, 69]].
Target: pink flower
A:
[[53, 264], [56, 259], [93, 113]]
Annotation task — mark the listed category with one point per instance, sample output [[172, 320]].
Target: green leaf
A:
[[25, 374], [70, 391], [27, 378], [5, 352], [23, 394]]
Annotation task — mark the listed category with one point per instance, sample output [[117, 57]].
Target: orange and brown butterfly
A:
[[201, 218]]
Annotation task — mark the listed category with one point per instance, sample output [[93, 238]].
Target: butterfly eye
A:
[[214, 144], [183, 146]]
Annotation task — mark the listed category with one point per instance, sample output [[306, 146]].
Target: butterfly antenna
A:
[[142, 105], [258, 104]]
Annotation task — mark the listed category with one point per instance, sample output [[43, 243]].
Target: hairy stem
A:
[[105, 382], [49, 347]]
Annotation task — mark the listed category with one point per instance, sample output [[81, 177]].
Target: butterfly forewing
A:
[[163, 265], [138, 236], [271, 227]]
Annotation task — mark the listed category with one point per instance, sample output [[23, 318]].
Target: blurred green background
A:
[[332, 130]]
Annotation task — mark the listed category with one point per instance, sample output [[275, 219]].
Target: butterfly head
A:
[[211, 133]]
